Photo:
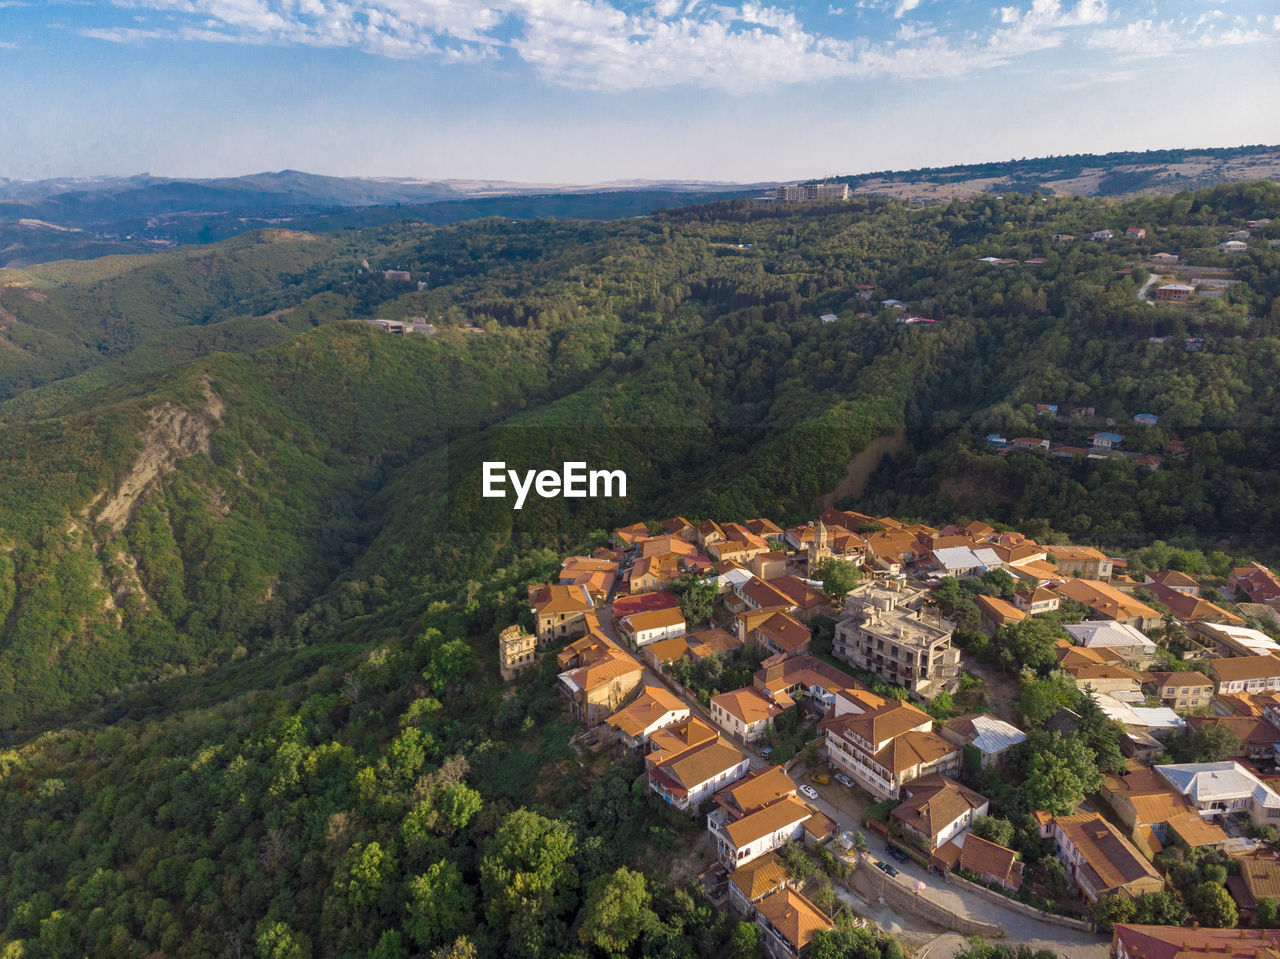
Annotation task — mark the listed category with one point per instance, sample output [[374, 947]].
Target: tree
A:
[[1213, 906], [1212, 743], [528, 879], [994, 829], [697, 597], [616, 911], [744, 941], [440, 905], [1061, 772], [1041, 698], [1265, 914], [1110, 910], [277, 941], [837, 578]]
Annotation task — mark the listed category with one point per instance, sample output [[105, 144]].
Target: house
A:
[[1132, 645], [652, 573], [745, 713], [759, 832], [996, 441], [1083, 561], [712, 642], [1098, 860], [679, 526], [1177, 449], [992, 863], [641, 629], [1135, 233], [1233, 246], [396, 276], [1046, 409], [1223, 789], [884, 744], [754, 880], [644, 602], [996, 613], [770, 565], [1145, 419], [1174, 292], [1107, 602], [754, 791], [1030, 443], [630, 535], [1257, 737], [1257, 582], [964, 561], [1246, 674], [655, 708], [559, 611], [1258, 879], [1191, 608], [597, 575], [597, 689], [1166, 258], [1146, 804], [826, 318], [1230, 640], [671, 741], [694, 774], [1104, 678], [1182, 942], [789, 922], [1062, 238], [755, 594], [803, 678], [1180, 690], [1037, 600], [833, 542], [807, 599], [1101, 235], [1105, 440], [990, 737], [516, 651], [937, 809], [779, 633], [1173, 579], [887, 630]]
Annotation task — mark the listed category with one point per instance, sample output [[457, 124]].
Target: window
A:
[[1182, 702]]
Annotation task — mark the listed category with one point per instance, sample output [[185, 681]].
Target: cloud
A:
[[1151, 38], [602, 45]]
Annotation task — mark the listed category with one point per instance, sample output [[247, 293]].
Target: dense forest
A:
[[249, 587]]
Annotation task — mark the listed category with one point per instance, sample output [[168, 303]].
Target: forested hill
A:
[[249, 587]]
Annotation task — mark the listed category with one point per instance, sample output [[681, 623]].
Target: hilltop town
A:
[[1037, 735]]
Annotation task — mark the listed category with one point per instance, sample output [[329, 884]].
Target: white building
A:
[[1223, 789]]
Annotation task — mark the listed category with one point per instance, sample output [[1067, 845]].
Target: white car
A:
[[808, 791], [844, 780]]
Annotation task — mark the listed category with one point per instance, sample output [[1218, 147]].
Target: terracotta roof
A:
[[934, 802], [668, 650], [1240, 668], [628, 605], [801, 594], [1186, 606], [990, 859], [1250, 730], [1184, 942], [880, 722], [759, 789], [785, 633], [677, 738], [675, 524], [1106, 854], [1104, 599], [1184, 677], [1102, 671], [764, 527], [612, 664], [1192, 829], [695, 766], [666, 545], [632, 533], [1262, 877], [760, 876], [1172, 578], [787, 811], [763, 595], [559, 599], [653, 619], [913, 749], [1038, 594], [1076, 552], [748, 705], [1072, 656], [781, 672], [712, 642], [653, 704], [794, 917], [999, 610]]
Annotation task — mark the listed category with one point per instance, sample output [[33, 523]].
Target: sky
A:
[[588, 91]]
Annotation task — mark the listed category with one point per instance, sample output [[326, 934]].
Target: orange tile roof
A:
[[653, 704], [990, 859], [763, 596], [760, 876], [653, 619], [712, 642], [999, 610], [1192, 829], [784, 632], [611, 665], [1240, 668], [1186, 606], [759, 789], [678, 738], [934, 802], [747, 705], [767, 820], [1062, 551], [800, 593], [1104, 599], [633, 533], [880, 722], [559, 599], [695, 766], [1111, 859], [1184, 942], [794, 917], [668, 650], [913, 749]]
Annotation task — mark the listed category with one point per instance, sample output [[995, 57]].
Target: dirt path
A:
[[861, 466]]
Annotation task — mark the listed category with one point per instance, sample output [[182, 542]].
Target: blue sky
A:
[[595, 90]]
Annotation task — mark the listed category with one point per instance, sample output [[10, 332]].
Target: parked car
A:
[[844, 780], [821, 779], [895, 852], [766, 751], [887, 869], [808, 791]]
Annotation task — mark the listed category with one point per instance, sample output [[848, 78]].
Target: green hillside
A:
[[249, 586]]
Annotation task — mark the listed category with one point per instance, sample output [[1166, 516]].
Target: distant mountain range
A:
[[44, 220]]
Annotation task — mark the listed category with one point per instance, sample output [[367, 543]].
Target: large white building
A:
[[1223, 789]]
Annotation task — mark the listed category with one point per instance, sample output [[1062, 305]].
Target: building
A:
[[781, 634], [991, 862], [655, 708], [1175, 292], [884, 744], [937, 809], [1181, 690], [1173, 579], [396, 276], [965, 561], [1145, 419], [745, 713], [596, 690], [811, 192], [641, 629], [1036, 600], [803, 679], [752, 881], [516, 651], [1227, 639], [1257, 582], [757, 833], [1233, 246], [1105, 440], [989, 736], [1246, 674], [559, 611], [807, 599], [996, 613], [1129, 641], [1223, 789], [1257, 737], [1165, 258], [789, 922], [1098, 860], [1107, 602], [887, 630], [1189, 608], [1084, 561], [1258, 879], [695, 773], [1182, 942], [1135, 233], [1101, 235], [754, 791]]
